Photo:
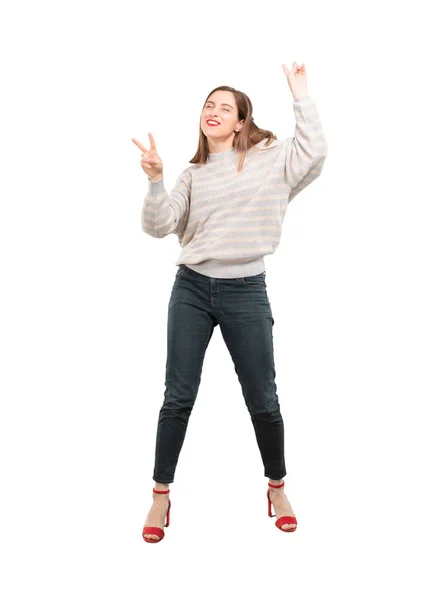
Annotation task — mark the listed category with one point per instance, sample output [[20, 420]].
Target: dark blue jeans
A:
[[241, 308]]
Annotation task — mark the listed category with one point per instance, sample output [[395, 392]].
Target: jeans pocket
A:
[[254, 280]]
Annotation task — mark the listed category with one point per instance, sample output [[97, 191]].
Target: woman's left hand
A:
[[297, 79]]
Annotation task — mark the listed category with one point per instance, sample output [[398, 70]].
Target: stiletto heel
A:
[[157, 530], [282, 520]]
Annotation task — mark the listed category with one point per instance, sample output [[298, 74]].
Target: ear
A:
[[239, 126]]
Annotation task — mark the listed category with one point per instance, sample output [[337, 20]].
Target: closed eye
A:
[[209, 106]]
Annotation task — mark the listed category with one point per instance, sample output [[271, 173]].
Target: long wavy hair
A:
[[249, 135]]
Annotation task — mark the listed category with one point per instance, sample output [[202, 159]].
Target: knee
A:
[[178, 404], [268, 415]]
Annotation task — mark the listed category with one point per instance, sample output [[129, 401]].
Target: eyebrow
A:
[[223, 104]]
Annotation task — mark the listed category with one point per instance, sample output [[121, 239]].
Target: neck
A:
[[220, 145]]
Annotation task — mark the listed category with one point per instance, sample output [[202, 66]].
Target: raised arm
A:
[[163, 212], [307, 150]]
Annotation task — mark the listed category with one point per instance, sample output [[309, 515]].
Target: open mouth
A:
[[212, 123]]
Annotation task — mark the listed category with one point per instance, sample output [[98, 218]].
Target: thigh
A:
[[189, 330], [246, 323]]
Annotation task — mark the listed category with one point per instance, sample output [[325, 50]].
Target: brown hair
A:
[[249, 135]]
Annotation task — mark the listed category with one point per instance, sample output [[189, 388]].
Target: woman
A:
[[227, 210]]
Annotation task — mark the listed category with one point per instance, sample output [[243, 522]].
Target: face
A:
[[220, 107]]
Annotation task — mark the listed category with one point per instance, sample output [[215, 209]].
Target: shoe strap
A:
[[161, 491], [276, 486]]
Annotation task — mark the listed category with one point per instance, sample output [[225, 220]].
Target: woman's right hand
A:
[[150, 159]]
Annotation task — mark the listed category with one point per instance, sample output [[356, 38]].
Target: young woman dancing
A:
[[227, 210]]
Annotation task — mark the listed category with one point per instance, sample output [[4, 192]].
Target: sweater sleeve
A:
[[162, 212], [307, 151]]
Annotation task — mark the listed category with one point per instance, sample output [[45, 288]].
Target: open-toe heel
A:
[[157, 530], [282, 520]]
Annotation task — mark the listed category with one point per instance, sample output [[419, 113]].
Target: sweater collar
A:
[[214, 156]]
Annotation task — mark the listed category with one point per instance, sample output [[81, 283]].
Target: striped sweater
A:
[[226, 221]]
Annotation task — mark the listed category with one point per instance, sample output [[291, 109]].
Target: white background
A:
[[85, 299]]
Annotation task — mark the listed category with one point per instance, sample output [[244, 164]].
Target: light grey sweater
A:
[[226, 221]]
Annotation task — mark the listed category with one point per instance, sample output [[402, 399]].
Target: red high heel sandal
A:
[[158, 530], [282, 520]]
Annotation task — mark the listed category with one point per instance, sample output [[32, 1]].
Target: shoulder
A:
[[263, 145], [187, 173]]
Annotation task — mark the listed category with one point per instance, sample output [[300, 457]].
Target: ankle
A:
[[162, 487], [277, 482], [161, 498]]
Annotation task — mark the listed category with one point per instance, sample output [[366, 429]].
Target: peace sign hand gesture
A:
[[150, 159]]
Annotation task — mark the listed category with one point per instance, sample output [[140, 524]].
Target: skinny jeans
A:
[[241, 308]]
